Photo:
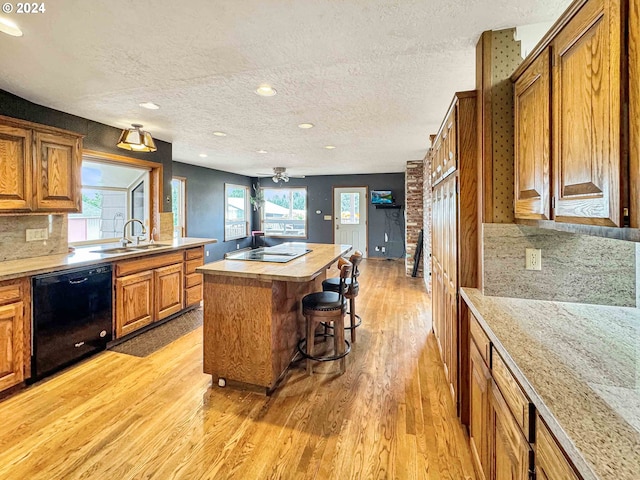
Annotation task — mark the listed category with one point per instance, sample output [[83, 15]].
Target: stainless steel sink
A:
[[149, 246], [114, 250]]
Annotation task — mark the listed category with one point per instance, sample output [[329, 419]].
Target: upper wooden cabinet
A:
[[587, 116], [39, 168], [15, 168], [58, 160], [532, 106], [581, 65]]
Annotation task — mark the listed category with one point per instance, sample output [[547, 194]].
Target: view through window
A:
[[111, 195], [179, 206], [284, 213], [236, 211]]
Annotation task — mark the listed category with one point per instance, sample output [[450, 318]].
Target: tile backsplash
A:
[[13, 237], [575, 268]]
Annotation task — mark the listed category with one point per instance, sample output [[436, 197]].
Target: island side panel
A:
[[288, 323], [237, 329]]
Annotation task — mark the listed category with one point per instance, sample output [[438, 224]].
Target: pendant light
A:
[[136, 139]]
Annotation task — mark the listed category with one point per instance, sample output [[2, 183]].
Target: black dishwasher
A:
[[71, 317]]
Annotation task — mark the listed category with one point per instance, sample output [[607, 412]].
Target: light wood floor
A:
[[121, 417]]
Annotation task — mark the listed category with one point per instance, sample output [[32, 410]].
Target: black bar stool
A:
[[333, 285], [326, 308]]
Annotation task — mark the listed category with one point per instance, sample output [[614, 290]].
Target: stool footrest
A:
[[302, 344], [350, 327]]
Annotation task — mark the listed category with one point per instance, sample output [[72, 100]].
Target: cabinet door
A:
[[586, 116], [57, 173], [511, 454], [134, 302], [168, 286], [532, 106], [11, 345], [479, 418], [551, 463], [15, 169]]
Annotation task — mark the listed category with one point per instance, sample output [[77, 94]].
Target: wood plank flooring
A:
[[116, 416]]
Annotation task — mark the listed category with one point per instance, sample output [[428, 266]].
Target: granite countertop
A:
[[301, 269], [580, 365], [89, 255]]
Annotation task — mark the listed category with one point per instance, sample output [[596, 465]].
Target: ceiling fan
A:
[[279, 174]]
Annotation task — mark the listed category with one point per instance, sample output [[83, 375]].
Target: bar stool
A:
[[333, 285], [325, 308]]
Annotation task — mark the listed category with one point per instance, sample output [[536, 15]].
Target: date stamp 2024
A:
[[24, 8]]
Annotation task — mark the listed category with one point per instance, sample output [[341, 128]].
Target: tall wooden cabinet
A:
[[39, 168], [571, 95], [454, 226]]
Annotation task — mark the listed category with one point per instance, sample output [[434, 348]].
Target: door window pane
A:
[[236, 208], [350, 208]]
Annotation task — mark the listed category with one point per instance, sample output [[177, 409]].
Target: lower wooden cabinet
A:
[[14, 332], [193, 258], [168, 290], [551, 464], [147, 289], [134, 302], [512, 457], [480, 413]]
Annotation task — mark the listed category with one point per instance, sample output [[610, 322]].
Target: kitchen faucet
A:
[[125, 240]]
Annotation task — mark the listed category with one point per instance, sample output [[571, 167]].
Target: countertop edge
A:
[[562, 437], [59, 262]]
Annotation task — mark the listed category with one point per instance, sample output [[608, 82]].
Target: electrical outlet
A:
[[384, 249], [36, 234], [237, 246], [533, 259], [207, 254]]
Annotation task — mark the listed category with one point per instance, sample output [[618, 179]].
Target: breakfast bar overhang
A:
[[252, 315]]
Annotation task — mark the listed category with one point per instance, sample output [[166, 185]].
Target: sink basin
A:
[[114, 250], [149, 246]]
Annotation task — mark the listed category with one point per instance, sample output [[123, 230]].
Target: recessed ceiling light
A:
[[266, 90], [329, 147], [305, 125], [203, 155], [220, 134], [149, 105], [10, 28], [262, 151]]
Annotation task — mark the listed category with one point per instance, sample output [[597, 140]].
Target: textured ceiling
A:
[[375, 77]]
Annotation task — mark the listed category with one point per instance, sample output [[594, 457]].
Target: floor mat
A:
[[148, 342]]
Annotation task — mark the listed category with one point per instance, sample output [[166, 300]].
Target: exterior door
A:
[[350, 217]]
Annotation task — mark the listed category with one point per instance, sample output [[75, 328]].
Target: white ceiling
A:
[[374, 76]]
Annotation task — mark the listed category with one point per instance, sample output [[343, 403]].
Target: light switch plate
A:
[[533, 259], [327, 217]]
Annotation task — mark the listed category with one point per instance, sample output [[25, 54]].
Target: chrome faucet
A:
[[126, 240]]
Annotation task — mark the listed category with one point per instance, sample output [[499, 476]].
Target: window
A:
[[111, 195], [236, 211], [349, 208], [179, 206], [285, 212]]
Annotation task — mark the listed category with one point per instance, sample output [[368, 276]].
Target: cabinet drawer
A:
[[192, 279], [480, 338], [513, 395], [10, 294], [194, 253], [147, 263], [191, 265], [551, 463], [192, 295]]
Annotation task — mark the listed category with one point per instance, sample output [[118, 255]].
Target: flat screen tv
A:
[[381, 197]]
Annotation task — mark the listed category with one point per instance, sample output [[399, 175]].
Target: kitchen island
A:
[[252, 313]]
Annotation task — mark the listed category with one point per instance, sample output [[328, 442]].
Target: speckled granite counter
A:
[[87, 256], [580, 365]]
